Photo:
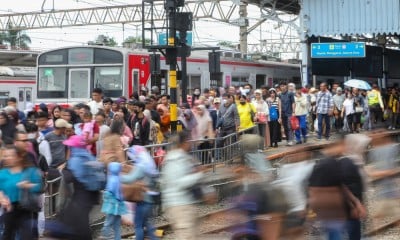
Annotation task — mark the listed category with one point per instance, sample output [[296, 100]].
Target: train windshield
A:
[[109, 79]]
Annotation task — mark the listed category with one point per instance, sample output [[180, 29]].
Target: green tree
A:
[[132, 39], [104, 40], [227, 44], [15, 38]]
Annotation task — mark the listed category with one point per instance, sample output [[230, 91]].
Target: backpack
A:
[[95, 175], [273, 113]]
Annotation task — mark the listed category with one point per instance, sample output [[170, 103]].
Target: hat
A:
[[258, 91], [339, 89], [61, 123], [120, 100], [272, 90], [75, 141], [313, 90], [217, 100]]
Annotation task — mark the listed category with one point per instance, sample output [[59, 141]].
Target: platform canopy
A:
[[351, 17], [18, 57], [286, 6]]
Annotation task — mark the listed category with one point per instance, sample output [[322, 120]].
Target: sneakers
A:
[[390, 128], [290, 143]]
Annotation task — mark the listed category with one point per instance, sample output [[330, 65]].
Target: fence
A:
[[208, 152]]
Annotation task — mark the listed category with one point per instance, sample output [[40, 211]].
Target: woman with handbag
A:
[[274, 121], [348, 111], [19, 193], [261, 116]]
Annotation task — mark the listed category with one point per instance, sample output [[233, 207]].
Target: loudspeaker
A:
[[155, 64], [214, 63]]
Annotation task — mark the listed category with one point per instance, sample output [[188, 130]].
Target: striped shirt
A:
[[324, 102]]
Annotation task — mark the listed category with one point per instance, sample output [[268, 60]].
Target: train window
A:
[[107, 56], [80, 56], [79, 83], [52, 82], [194, 82], [109, 79], [53, 57], [21, 95], [29, 95]]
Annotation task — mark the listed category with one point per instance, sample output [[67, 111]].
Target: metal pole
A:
[[184, 49], [172, 68], [243, 27]]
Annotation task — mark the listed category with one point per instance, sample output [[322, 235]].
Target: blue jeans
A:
[[334, 229], [112, 225], [142, 219], [354, 229], [327, 119], [287, 127], [302, 131]]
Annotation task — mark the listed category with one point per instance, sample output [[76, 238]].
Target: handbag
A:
[[29, 201], [359, 109], [133, 192], [294, 121], [261, 117]]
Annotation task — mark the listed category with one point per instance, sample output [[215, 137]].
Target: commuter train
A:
[[68, 75], [18, 82]]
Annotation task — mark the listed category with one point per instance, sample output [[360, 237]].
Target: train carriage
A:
[[68, 75]]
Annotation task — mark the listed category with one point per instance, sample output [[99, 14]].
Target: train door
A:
[[24, 96], [260, 80], [79, 83], [4, 95], [135, 80]]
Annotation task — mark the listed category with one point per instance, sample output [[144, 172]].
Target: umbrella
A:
[[357, 83]]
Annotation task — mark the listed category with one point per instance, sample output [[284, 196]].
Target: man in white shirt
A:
[[97, 101]]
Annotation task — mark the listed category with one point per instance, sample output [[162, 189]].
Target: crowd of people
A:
[[50, 141]]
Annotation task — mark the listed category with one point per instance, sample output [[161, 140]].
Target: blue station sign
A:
[[162, 38], [338, 50]]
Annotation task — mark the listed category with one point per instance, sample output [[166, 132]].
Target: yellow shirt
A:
[[374, 97], [245, 115]]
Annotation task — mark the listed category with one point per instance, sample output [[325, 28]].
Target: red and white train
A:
[[18, 82], [67, 75]]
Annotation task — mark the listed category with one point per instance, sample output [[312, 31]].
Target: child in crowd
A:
[[113, 203], [87, 128]]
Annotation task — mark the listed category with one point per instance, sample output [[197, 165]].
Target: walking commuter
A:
[[179, 176], [140, 125], [97, 101], [287, 110], [393, 106], [324, 109], [205, 131], [275, 120], [228, 119], [300, 111], [358, 108], [144, 170], [18, 177], [114, 144], [7, 128], [75, 216], [113, 203]]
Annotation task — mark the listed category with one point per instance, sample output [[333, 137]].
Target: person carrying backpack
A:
[[75, 216]]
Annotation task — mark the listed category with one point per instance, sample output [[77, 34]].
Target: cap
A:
[[313, 90], [339, 89], [217, 100], [272, 90], [61, 123], [258, 91]]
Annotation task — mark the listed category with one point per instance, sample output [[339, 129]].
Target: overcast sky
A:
[[207, 31]]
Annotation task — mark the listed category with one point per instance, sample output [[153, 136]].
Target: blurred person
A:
[[287, 110], [261, 116], [114, 106], [133, 97], [358, 108], [375, 104], [41, 123], [75, 216], [248, 91], [228, 117], [246, 113], [127, 135], [232, 90], [113, 203], [29, 110], [179, 176], [151, 104], [366, 123], [333, 179], [324, 110], [214, 110], [274, 120], [264, 92], [300, 111], [146, 171], [292, 88], [13, 116], [113, 143], [7, 129], [384, 167], [97, 101], [126, 115], [90, 131], [164, 100], [348, 111], [155, 90], [338, 100], [18, 175], [335, 86], [155, 135]]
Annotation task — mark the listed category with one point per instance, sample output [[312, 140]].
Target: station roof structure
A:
[[286, 6], [351, 17], [18, 57]]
